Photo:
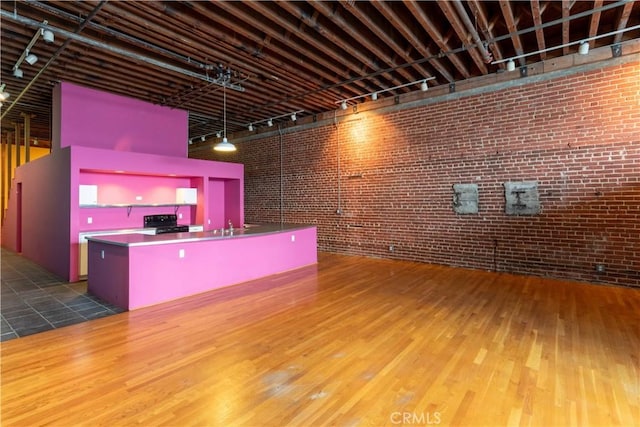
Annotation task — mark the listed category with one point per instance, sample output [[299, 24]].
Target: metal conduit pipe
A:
[[116, 50], [486, 56], [57, 53]]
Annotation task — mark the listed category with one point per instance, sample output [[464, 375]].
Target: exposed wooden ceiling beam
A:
[[458, 26], [429, 26], [411, 36], [536, 13], [507, 13]]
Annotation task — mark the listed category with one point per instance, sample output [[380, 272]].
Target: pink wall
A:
[[92, 118], [44, 212]]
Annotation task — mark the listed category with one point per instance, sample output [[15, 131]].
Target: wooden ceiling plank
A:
[[266, 67], [313, 39], [507, 13], [594, 23], [365, 65], [315, 73], [566, 25], [622, 21], [536, 13], [429, 26], [327, 9], [415, 41], [459, 28]]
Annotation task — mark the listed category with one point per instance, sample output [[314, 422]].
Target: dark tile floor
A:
[[34, 300]]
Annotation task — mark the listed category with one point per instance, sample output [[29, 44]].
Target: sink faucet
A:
[[230, 226]]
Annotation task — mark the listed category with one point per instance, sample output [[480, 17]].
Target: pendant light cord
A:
[[224, 109]]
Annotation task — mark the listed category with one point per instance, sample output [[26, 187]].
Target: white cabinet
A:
[[186, 196], [88, 195]]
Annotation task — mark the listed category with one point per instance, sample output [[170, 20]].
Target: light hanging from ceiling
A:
[[224, 145]]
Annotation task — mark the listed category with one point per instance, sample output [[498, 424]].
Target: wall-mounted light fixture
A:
[[29, 57], [583, 48], [374, 95]]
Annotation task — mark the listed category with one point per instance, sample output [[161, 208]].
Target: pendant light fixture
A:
[[224, 145]]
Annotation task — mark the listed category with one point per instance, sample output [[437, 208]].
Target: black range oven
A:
[[165, 223]]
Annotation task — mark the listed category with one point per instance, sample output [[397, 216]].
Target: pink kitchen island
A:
[[138, 270]]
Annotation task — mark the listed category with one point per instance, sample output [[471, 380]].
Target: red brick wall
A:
[[577, 136]]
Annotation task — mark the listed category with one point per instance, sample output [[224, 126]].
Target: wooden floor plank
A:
[[352, 341]]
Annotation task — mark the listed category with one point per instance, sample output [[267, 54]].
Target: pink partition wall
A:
[[91, 118], [37, 221]]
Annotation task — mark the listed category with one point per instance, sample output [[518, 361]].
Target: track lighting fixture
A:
[[584, 48], [47, 35], [293, 116], [374, 95], [202, 138], [4, 95], [31, 59], [218, 134]]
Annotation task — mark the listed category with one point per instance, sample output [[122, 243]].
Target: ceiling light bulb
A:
[[343, 105], [424, 86], [511, 65], [250, 127], [294, 117], [269, 122], [31, 59], [374, 96], [18, 73], [584, 48], [48, 36]]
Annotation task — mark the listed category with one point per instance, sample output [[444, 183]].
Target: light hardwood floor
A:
[[349, 342]]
